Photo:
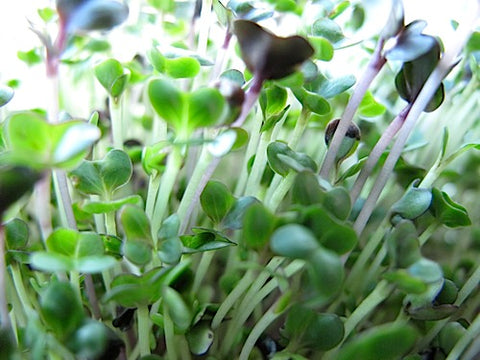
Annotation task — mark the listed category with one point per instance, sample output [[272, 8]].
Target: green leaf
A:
[[411, 43], [328, 29], [426, 270], [30, 57], [63, 241], [328, 88], [450, 334], [51, 262], [406, 282], [204, 240], [326, 272], [170, 250], [258, 225], [306, 190], [332, 233], [234, 218], [6, 94], [177, 308], [337, 202], [170, 227], [61, 308], [323, 48], [16, 234], [369, 107], [447, 211], [94, 264], [312, 101], [413, 203], [319, 331], [216, 199], [167, 101], [183, 67], [205, 107], [402, 244], [282, 159], [135, 223], [100, 207], [111, 74], [384, 342], [138, 252], [199, 339], [293, 241], [273, 100], [352, 170]]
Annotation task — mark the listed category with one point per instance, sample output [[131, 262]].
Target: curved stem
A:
[[280, 191], [4, 313], [374, 66], [377, 151]]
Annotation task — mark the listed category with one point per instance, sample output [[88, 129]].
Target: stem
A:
[[205, 23], [153, 185], [220, 59], [472, 332], [115, 106], [374, 66], [251, 96], [169, 177], [143, 323], [377, 152], [280, 191], [110, 224], [63, 199], [253, 182], [168, 328], [269, 317], [378, 295], [232, 298], [20, 288], [202, 270], [42, 206], [4, 313]]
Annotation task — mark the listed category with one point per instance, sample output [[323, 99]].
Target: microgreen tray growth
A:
[[226, 193]]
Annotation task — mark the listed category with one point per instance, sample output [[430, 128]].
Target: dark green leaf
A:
[[337, 202], [282, 159], [258, 225], [234, 218], [61, 308], [135, 223], [329, 88], [170, 227], [447, 211], [411, 43], [293, 241], [200, 338], [306, 189], [16, 234], [138, 252], [326, 272], [216, 199], [177, 308], [384, 342], [403, 245], [170, 250], [449, 336], [413, 203], [204, 240]]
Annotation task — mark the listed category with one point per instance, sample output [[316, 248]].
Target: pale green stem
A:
[[153, 185], [253, 182], [4, 313], [202, 269], [232, 298], [168, 328], [205, 22], [116, 120], [174, 163], [20, 288], [472, 333], [110, 223], [75, 282], [144, 325], [251, 149], [42, 206], [280, 191], [362, 311], [431, 85], [269, 317]]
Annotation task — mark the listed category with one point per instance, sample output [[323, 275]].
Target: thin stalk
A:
[[64, 200], [143, 323], [377, 151], [251, 96], [42, 206], [221, 56], [4, 313], [168, 328], [280, 191], [362, 311], [174, 163], [269, 317], [115, 106], [153, 185], [20, 288], [472, 333], [204, 22], [253, 182], [431, 85], [374, 66], [232, 298], [202, 269]]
